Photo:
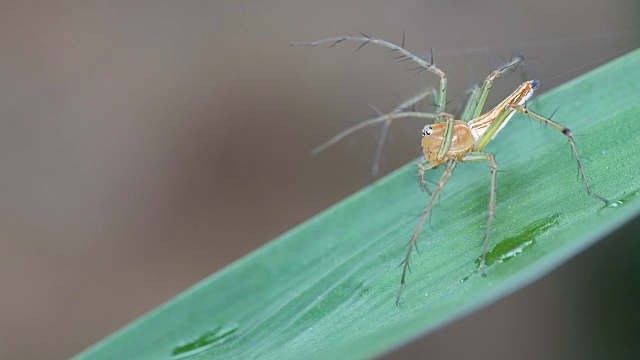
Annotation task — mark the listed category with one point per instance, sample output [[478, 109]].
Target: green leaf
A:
[[327, 288]]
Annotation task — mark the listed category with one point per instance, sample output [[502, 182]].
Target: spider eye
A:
[[535, 84], [427, 130]]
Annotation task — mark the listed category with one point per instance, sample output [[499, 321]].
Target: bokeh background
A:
[[146, 144]]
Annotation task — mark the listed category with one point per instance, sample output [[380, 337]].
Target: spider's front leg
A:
[[399, 49], [423, 166], [440, 97], [451, 165], [404, 106]]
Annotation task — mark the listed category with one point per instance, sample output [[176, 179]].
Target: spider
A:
[[449, 141]]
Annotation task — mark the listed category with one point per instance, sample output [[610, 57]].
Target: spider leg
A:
[[422, 64], [472, 99], [424, 165], [447, 138], [480, 156], [377, 155], [478, 98], [407, 104], [451, 164], [382, 118], [524, 110]]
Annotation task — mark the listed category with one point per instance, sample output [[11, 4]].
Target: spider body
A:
[[467, 136], [449, 141]]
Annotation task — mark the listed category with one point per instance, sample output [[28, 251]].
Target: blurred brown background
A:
[[146, 144]]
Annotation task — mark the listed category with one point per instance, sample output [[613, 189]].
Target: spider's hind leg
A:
[[479, 156], [524, 110], [478, 95]]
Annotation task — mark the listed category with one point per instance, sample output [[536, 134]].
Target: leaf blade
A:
[[327, 287]]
